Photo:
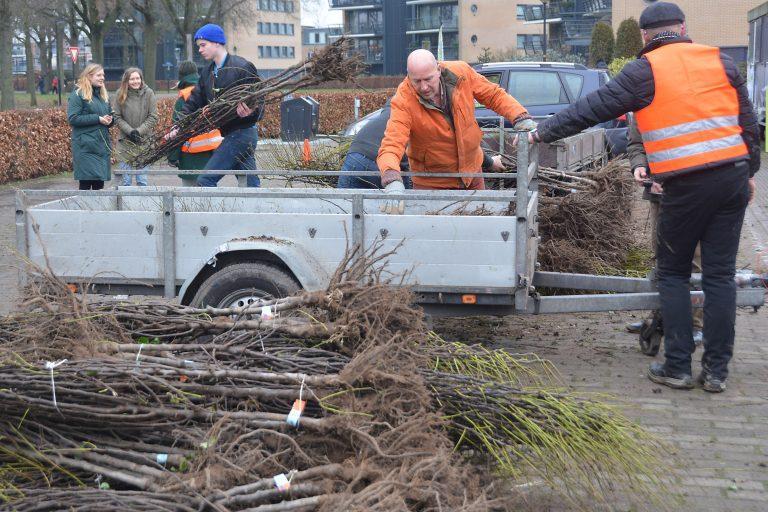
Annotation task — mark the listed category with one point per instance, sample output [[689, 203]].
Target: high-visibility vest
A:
[[693, 120], [204, 142]]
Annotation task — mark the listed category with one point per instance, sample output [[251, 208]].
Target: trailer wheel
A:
[[651, 334], [240, 284]]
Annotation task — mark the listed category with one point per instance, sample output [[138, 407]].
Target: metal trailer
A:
[[231, 246]]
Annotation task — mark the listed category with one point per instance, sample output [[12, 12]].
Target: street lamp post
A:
[[544, 13]]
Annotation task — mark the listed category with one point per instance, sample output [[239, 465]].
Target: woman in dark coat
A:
[[90, 116]]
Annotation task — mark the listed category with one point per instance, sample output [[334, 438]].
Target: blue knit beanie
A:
[[212, 33]]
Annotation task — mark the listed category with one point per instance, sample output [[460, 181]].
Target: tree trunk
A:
[[7, 100], [150, 51], [189, 46], [74, 40], [45, 62], [97, 44], [30, 55]]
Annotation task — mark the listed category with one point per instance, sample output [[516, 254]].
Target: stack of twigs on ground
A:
[[187, 408], [333, 62]]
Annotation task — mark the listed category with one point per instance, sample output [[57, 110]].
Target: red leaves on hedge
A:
[[36, 143]]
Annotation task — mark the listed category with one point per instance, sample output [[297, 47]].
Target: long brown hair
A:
[[122, 92], [84, 87]]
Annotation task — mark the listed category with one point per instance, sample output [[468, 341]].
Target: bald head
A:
[[420, 61], [424, 74]]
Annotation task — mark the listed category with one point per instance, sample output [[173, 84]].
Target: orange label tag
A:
[[295, 415]]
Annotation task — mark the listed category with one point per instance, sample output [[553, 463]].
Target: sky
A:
[[317, 13]]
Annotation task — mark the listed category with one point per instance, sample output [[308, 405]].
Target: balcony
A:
[[597, 8], [450, 52], [364, 29], [356, 4], [369, 56], [432, 24]]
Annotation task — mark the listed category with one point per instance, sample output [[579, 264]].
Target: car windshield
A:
[[534, 88]]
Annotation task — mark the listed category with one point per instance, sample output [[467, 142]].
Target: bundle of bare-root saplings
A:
[[334, 62], [332, 400]]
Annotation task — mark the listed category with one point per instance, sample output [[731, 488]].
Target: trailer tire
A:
[[239, 284]]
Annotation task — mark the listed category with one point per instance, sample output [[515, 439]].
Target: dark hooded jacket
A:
[[633, 89], [234, 71]]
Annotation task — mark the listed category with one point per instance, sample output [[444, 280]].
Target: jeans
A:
[[704, 207], [357, 162], [141, 179], [236, 153]]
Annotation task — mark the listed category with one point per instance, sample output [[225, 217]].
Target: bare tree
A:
[[7, 27], [150, 11], [187, 16], [26, 39], [97, 18]]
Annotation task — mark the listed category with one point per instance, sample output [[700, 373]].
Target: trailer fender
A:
[[310, 275]]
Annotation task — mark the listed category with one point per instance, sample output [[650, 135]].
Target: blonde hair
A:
[[84, 87], [122, 92]]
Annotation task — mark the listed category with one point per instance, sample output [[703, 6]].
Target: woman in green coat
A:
[[188, 158], [90, 116]]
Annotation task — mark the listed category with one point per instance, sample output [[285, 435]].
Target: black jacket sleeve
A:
[[631, 90], [747, 118]]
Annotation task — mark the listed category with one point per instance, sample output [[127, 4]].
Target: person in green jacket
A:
[[187, 159], [90, 116], [135, 110]]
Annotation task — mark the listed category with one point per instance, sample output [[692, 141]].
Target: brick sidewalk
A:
[[720, 440]]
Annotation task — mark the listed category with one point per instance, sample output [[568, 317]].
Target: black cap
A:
[[661, 14]]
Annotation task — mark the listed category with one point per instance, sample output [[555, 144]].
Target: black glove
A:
[[135, 137]]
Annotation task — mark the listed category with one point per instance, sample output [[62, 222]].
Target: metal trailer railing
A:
[[622, 293]]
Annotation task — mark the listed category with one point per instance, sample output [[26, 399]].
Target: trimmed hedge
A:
[[36, 142]]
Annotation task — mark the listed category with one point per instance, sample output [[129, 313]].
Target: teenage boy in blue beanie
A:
[[223, 72]]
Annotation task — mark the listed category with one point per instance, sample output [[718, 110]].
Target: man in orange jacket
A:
[[701, 137], [433, 114]]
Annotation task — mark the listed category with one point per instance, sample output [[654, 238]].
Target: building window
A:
[[261, 52], [521, 12]]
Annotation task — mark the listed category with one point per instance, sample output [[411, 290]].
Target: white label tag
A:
[[281, 482], [266, 313]]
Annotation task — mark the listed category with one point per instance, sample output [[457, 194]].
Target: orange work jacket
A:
[[693, 121], [434, 145], [204, 142]]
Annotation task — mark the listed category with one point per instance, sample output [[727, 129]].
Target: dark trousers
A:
[[704, 207], [91, 184], [356, 162], [235, 153]]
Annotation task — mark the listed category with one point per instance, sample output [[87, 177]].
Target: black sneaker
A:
[[659, 375], [710, 383]]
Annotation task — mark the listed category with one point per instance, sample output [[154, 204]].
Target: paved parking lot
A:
[[720, 440]]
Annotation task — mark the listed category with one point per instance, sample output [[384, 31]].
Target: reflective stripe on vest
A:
[[694, 121], [200, 143]]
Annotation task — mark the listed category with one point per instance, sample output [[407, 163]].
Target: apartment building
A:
[[722, 23], [272, 41], [384, 32], [315, 38]]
